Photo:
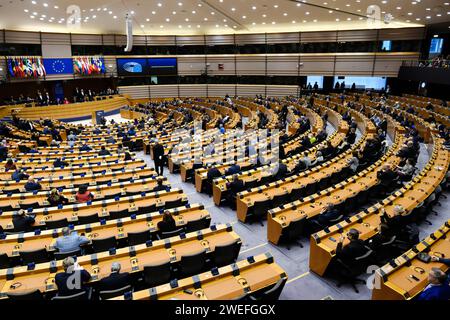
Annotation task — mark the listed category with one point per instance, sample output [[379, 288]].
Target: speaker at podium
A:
[[97, 116]]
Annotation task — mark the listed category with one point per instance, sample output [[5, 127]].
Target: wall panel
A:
[[250, 65]]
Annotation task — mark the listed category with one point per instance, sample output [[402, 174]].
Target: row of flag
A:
[[26, 67], [35, 67]]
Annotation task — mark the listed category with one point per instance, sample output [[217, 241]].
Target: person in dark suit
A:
[[234, 187], [354, 249], [386, 176], [438, 287], [32, 185], [212, 174], [104, 152], [158, 158], [73, 279], [60, 163], [351, 136], [234, 169], [23, 222], [282, 171], [328, 214], [167, 224], [160, 186], [115, 280]]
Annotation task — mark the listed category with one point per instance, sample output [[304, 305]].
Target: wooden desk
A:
[[101, 192], [119, 229], [132, 259], [47, 173], [90, 179], [367, 222], [72, 211], [394, 279], [231, 282], [278, 219]]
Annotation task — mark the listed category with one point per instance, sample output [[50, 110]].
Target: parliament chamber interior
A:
[[224, 150]]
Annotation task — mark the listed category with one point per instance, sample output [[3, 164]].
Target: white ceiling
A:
[[217, 16]]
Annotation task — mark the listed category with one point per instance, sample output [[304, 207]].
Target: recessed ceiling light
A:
[[115, 17], [399, 8], [273, 22], [167, 20], [180, 4], [264, 15], [410, 14], [26, 10], [428, 17], [33, 2], [56, 7], [153, 12], [293, 21], [194, 12], [159, 4], [307, 12], [244, 17], [110, 12], [233, 9], [275, 6], [213, 13], [299, 4], [187, 19], [254, 8], [32, 17], [174, 12], [285, 14], [206, 19], [142, 26], [147, 19], [315, 20]]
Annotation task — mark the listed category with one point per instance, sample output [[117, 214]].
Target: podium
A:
[[97, 116]]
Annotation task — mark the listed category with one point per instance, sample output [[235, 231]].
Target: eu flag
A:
[[58, 66]]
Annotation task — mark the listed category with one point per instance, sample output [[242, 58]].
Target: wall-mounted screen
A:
[[361, 83], [436, 45], [163, 66], [132, 67], [386, 45], [312, 80]]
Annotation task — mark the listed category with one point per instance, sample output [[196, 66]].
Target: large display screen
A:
[[132, 67], [147, 67], [163, 66]]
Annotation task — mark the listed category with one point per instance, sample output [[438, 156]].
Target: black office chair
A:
[[4, 261], [260, 209], [349, 272], [280, 200], [199, 224], [105, 244], [35, 295], [135, 238], [56, 224], [63, 255], [251, 184], [294, 231], [33, 205], [272, 294], [265, 180], [296, 194], [108, 294], [174, 204], [192, 264], [155, 275], [168, 234], [310, 189], [36, 256], [114, 215], [92, 218], [83, 295], [147, 209], [226, 254], [7, 208]]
